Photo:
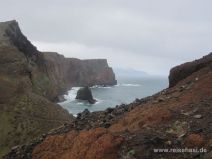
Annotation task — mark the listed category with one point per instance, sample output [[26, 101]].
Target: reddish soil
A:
[[155, 112], [95, 143], [102, 144], [194, 140]]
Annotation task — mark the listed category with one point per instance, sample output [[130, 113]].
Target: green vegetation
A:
[[41, 84], [26, 117]]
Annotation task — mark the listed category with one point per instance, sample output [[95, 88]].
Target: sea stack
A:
[[85, 94]]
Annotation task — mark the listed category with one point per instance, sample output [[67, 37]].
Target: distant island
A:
[[123, 72]]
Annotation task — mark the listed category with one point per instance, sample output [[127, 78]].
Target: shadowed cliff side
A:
[[182, 71], [65, 73], [24, 114]]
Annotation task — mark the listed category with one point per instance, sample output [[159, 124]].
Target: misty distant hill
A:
[[120, 72]]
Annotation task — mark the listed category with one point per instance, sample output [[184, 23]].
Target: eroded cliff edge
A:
[[30, 80], [184, 70], [69, 72], [178, 117]]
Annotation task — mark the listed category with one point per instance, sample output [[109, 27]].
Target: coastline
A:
[[177, 116]]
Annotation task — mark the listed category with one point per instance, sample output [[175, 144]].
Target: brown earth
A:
[[194, 140], [94, 143]]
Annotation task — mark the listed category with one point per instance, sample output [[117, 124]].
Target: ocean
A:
[[125, 92]]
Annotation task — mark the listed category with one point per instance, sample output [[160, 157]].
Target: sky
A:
[[148, 35]]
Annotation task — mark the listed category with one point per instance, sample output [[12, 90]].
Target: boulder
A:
[[85, 94]]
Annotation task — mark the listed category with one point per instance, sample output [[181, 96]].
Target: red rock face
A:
[[194, 140], [88, 144], [180, 72]]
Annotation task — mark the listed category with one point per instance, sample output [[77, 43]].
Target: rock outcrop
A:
[[182, 71], [91, 72], [10, 34], [30, 80], [85, 94], [176, 117], [71, 72], [52, 74]]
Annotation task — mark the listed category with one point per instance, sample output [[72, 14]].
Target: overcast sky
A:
[[148, 35]]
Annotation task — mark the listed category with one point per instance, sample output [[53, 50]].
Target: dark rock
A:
[[109, 110], [157, 140], [85, 94], [109, 117], [161, 99], [137, 101], [85, 112], [13, 32], [198, 130], [208, 155], [180, 72], [105, 124]]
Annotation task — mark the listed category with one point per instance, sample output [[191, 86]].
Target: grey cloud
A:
[[164, 32]]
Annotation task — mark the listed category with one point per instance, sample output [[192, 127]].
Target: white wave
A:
[[80, 103], [98, 101], [129, 85], [105, 87], [84, 102], [98, 86], [72, 94]]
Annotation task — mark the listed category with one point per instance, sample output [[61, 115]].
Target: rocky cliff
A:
[[182, 71], [30, 80], [24, 113], [176, 119], [69, 72], [51, 74], [91, 72]]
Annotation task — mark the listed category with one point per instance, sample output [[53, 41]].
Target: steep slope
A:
[[51, 74], [175, 118], [30, 80], [24, 114]]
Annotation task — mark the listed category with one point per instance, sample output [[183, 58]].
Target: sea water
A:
[[125, 92]]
